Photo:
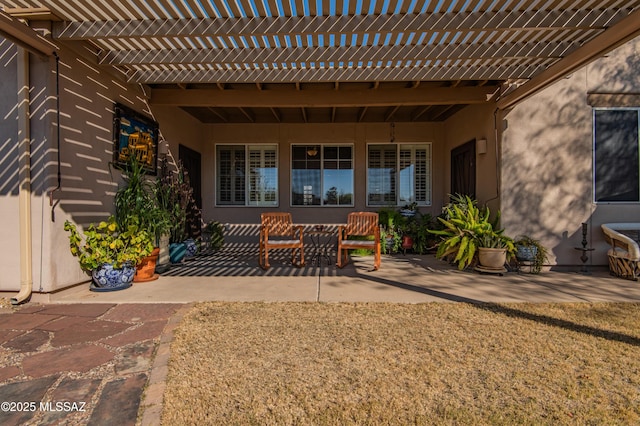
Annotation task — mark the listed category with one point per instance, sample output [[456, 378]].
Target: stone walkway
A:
[[84, 363]]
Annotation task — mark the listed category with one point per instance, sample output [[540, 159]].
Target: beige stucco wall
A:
[[547, 160], [284, 135], [88, 183], [475, 122]]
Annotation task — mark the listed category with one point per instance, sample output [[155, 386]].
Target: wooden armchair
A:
[[278, 232], [364, 224]]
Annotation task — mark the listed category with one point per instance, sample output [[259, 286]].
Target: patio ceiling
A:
[[249, 61]]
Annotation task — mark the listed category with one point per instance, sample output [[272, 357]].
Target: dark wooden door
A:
[[463, 169], [191, 162]]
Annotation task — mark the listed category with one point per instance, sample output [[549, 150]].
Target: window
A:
[[616, 155], [322, 175], [398, 174], [247, 175]]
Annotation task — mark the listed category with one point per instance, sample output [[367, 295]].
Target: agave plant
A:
[[466, 228]]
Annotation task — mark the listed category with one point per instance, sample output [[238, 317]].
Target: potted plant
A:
[[136, 200], [390, 238], [531, 250], [409, 210], [408, 227], [213, 235], [175, 193], [423, 240], [494, 249], [467, 230], [108, 253], [463, 221]]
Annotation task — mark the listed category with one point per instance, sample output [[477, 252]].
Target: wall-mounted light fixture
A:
[[163, 148], [481, 146], [312, 152]]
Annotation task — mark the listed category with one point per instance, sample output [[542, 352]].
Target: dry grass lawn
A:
[[380, 364]]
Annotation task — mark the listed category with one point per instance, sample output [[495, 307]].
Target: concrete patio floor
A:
[[401, 279]]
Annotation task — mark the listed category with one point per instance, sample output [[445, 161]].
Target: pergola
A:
[[297, 61]]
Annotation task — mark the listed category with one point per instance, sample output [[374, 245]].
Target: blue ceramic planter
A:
[[177, 252], [526, 253], [192, 248], [108, 278]]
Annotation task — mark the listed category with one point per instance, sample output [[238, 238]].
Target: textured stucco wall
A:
[[547, 152], [87, 97], [475, 122], [284, 135]]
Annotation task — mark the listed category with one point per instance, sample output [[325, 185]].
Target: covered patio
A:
[[273, 81], [302, 61]]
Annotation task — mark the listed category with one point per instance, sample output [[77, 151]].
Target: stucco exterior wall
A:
[[284, 135], [9, 232], [88, 182], [475, 122], [547, 152]]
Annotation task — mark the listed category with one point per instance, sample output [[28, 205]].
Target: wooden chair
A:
[[363, 224], [277, 231]]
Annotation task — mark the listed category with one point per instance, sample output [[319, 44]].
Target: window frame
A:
[[429, 174], [247, 176], [593, 154], [321, 147]]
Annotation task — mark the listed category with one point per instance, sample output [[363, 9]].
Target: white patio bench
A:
[[624, 254]]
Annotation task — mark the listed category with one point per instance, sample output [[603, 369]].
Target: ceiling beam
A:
[[350, 54], [419, 112], [392, 111], [221, 115], [14, 30], [276, 114], [247, 114], [31, 13], [338, 24], [342, 98], [623, 31], [489, 70], [363, 112]]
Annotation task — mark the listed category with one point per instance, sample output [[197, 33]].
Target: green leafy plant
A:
[[213, 233], [418, 228], [175, 196], [137, 200], [390, 222], [466, 228], [496, 239], [106, 243], [540, 256]]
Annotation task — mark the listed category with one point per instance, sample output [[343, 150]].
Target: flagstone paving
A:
[[78, 363]]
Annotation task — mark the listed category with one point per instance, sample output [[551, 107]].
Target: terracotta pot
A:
[[492, 258], [145, 270], [407, 242]]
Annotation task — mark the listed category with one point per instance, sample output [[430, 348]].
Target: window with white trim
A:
[[322, 175], [247, 175], [398, 174], [616, 154]]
